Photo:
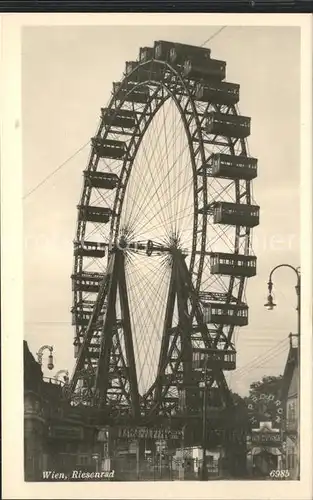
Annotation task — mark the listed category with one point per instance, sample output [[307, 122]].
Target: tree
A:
[[268, 384], [238, 400], [239, 412]]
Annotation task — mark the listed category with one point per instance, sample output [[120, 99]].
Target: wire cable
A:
[[261, 362], [82, 147], [261, 356], [55, 171], [214, 35]]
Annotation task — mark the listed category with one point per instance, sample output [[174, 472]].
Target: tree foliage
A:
[[269, 385]]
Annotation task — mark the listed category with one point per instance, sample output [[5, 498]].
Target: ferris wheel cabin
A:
[[121, 118], [218, 92], [94, 214], [232, 167], [230, 264], [130, 66], [198, 70], [81, 314], [146, 53], [107, 148], [225, 314], [191, 401], [224, 359], [228, 125], [86, 282], [126, 93], [162, 50], [101, 180], [89, 249], [180, 52], [236, 214], [136, 73]]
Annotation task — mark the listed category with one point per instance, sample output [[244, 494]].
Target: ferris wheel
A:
[[163, 242]]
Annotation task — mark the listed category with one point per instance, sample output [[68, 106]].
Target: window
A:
[[291, 459], [291, 411], [83, 459]]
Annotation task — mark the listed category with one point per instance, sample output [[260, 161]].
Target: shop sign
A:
[[261, 439], [65, 432], [148, 433], [266, 404]]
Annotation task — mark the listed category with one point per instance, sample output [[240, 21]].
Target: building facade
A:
[[290, 398], [57, 437]]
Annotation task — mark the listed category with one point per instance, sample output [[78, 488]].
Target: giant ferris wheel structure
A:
[[163, 249]]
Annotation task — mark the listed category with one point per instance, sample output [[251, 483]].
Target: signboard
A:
[[66, 432], [265, 406], [148, 433], [261, 439], [265, 435]]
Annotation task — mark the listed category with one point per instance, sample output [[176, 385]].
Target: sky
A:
[[67, 75]]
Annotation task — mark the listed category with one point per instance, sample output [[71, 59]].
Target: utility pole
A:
[[204, 425]]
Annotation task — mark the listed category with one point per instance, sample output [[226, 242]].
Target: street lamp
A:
[[50, 364], [270, 304]]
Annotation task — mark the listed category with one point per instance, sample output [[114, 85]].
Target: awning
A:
[[272, 451]]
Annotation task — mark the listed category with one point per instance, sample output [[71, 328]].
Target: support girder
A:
[[176, 371], [113, 381], [114, 378]]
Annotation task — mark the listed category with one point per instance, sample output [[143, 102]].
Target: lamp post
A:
[[40, 352], [200, 363], [270, 304], [204, 426]]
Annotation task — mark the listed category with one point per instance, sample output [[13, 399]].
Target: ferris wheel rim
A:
[[81, 225]]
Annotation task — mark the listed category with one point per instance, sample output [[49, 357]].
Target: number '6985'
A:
[[279, 473]]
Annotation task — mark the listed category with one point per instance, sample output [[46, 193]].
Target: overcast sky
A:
[[67, 78]]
